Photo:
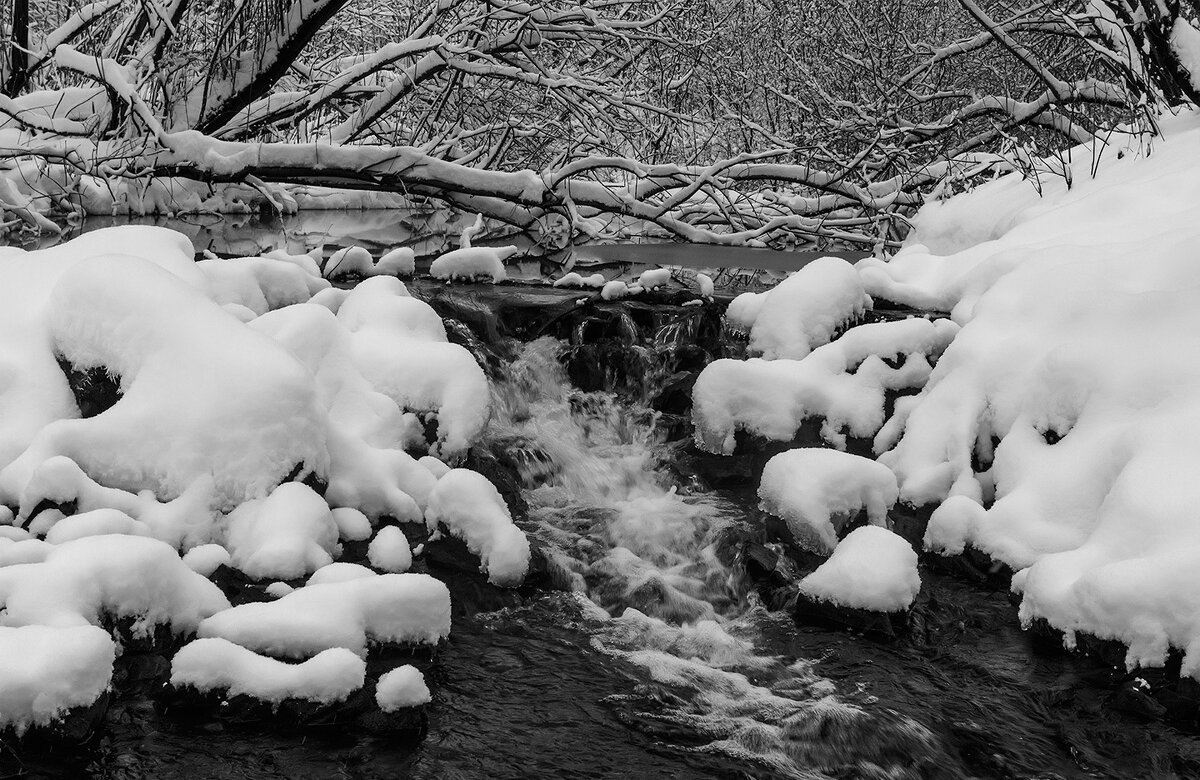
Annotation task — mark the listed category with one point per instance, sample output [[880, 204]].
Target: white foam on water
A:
[[645, 556]]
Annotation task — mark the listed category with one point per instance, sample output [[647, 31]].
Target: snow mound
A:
[[184, 521], [216, 664], [286, 535], [473, 263], [259, 283], [743, 311], [805, 310], [655, 277], [1068, 406], [389, 608], [98, 522], [252, 416], [871, 569], [353, 260], [340, 571], [401, 687], [205, 559], [84, 580], [572, 279], [615, 290], [473, 510], [844, 382], [816, 491], [401, 261], [389, 550], [50, 670], [352, 525]]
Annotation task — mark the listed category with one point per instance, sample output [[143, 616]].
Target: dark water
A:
[[653, 655]]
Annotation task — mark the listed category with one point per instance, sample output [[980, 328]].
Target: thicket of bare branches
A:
[[714, 120]]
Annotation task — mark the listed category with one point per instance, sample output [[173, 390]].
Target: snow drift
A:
[[1057, 431]]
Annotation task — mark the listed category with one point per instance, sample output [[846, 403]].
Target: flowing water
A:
[[653, 655]]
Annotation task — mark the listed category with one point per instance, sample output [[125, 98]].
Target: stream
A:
[[647, 648]]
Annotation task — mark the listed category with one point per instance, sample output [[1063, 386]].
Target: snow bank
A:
[[872, 568], [1057, 431], [389, 608], [401, 687], [216, 664], [816, 491], [473, 510], [48, 671], [251, 418]]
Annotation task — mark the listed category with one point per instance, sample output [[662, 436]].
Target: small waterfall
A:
[[644, 557]]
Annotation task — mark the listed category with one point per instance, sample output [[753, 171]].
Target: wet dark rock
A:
[[95, 389], [187, 703], [876, 625], [974, 566], [76, 727], [1156, 693], [133, 636], [502, 473], [450, 561]]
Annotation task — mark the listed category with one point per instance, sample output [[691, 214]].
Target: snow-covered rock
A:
[[286, 535], [81, 581], [614, 290], [352, 525], [50, 670], [871, 569], [401, 687], [474, 511], [817, 490], [389, 550], [654, 277], [340, 571], [401, 261], [217, 664], [386, 609], [573, 279], [351, 260], [845, 383], [205, 559], [805, 310], [473, 263], [743, 311]]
